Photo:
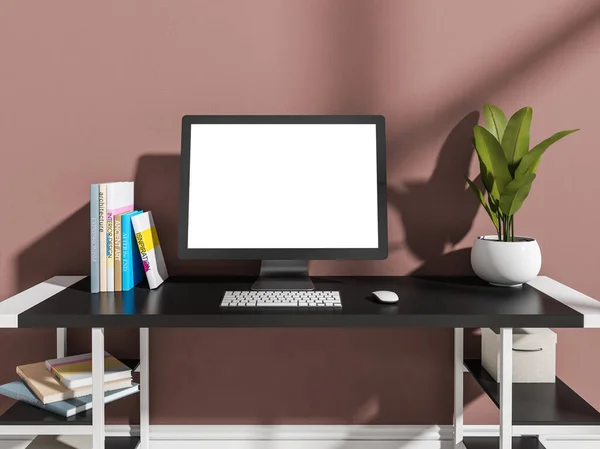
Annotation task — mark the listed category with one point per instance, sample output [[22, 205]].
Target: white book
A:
[[150, 251], [119, 199], [102, 235], [76, 371]]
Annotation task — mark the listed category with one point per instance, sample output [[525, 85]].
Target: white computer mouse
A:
[[385, 297]]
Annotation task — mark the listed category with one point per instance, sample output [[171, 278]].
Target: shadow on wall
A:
[[438, 213], [157, 190]]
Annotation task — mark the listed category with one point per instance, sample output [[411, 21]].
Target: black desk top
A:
[[194, 302]]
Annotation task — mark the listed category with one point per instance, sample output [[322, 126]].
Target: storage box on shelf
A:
[[534, 354]]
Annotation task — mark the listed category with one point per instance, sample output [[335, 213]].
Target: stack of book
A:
[[64, 386], [123, 241]]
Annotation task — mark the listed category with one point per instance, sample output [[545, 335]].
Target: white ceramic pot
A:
[[506, 264]]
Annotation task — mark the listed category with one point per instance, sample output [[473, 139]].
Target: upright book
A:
[[48, 390], [102, 235], [76, 371], [18, 390], [94, 239], [118, 253], [149, 247], [119, 199], [132, 271]]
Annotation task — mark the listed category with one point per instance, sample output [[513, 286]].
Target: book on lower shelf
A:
[[76, 371], [18, 390], [48, 390]]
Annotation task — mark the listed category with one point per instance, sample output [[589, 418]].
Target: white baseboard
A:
[[310, 437]]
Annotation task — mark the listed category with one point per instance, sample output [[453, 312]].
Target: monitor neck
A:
[[283, 275]]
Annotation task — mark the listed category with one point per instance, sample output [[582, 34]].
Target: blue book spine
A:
[[94, 240], [133, 269]]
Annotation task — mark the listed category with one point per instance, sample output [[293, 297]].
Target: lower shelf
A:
[[539, 403], [494, 442], [121, 442], [22, 414]]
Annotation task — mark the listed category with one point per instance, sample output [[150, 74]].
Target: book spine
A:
[[94, 240], [119, 200], [57, 376], [149, 247], [126, 274], [20, 397], [110, 245], [133, 272], [118, 255], [102, 236]]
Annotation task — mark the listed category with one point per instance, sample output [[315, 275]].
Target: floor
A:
[[84, 442]]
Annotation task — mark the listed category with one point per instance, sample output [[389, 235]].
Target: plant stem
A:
[[512, 228]]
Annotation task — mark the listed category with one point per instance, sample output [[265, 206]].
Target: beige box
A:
[[533, 350]]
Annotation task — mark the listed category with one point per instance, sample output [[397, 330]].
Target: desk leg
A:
[[144, 389], [506, 344], [61, 342], [458, 388], [98, 388]]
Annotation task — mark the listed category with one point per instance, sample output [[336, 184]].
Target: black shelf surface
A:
[[448, 302], [23, 414], [539, 403], [493, 443], [131, 363], [121, 442]]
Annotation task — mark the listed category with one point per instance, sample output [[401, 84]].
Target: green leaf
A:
[[531, 160], [515, 194], [492, 157], [495, 121], [515, 141], [479, 195]]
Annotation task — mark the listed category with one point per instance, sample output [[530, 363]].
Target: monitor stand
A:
[[283, 275]]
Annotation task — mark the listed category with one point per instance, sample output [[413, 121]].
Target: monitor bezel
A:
[[379, 253]]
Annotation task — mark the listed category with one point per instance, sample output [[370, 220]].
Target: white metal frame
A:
[[61, 342], [505, 378], [458, 387], [144, 388], [98, 388], [11, 308], [588, 307], [98, 428]]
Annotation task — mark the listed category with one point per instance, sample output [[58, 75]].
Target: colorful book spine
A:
[[94, 239], [118, 263], [102, 235], [119, 199], [149, 247], [132, 268]]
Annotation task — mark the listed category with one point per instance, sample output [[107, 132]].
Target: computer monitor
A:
[[284, 190]]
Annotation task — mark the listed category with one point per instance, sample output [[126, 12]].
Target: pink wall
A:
[[93, 92]]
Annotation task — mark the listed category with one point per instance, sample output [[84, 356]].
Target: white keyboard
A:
[[283, 298]]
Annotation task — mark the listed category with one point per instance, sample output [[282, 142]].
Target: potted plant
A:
[[508, 168]]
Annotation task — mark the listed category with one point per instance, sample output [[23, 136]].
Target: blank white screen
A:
[[282, 186]]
